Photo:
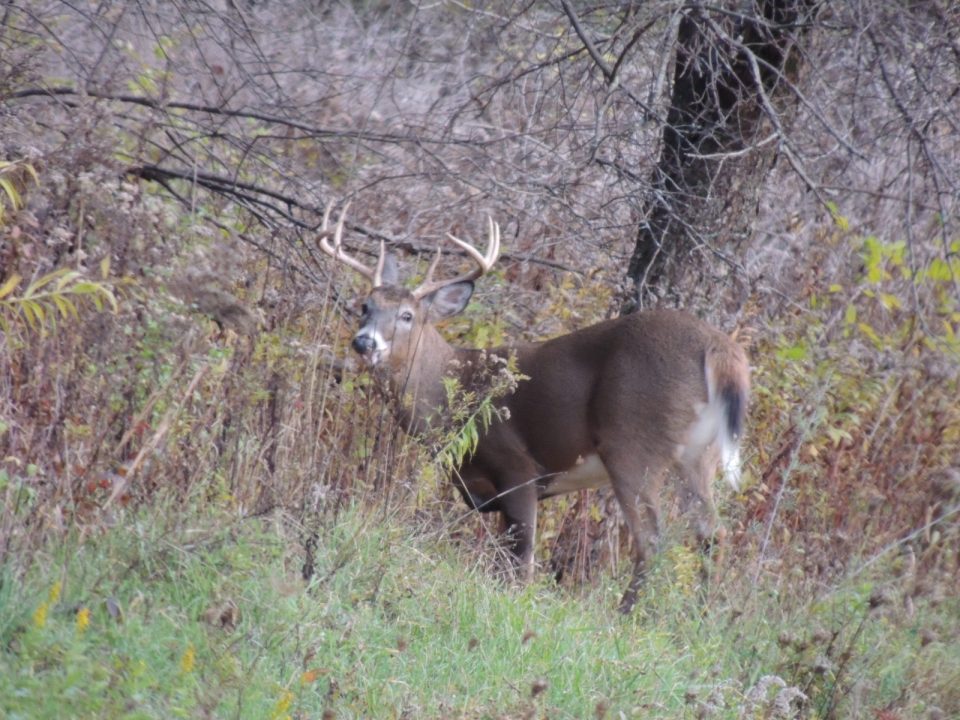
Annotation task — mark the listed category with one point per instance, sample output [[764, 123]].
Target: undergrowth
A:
[[205, 511]]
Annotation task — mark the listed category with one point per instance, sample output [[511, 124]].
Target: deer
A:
[[624, 403]]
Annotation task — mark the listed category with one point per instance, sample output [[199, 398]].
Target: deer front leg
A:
[[519, 510]]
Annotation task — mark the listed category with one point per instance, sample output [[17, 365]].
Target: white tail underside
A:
[[711, 426]]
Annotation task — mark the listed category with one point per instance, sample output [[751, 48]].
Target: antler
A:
[[375, 275], [484, 262]]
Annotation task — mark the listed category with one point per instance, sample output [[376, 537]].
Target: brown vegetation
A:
[[184, 152]]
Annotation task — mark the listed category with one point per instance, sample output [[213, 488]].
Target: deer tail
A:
[[728, 389]]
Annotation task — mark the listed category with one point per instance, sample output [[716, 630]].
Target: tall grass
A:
[[188, 615]]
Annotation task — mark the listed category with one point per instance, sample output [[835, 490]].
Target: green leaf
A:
[[850, 315], [890, 302], [45, 280], [939, 270], [85, 287], [793, 353], [65, 279]]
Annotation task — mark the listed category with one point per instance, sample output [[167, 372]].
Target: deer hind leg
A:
[[696, 496], [636, 483]]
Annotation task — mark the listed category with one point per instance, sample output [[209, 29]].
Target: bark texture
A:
[[731, 97]]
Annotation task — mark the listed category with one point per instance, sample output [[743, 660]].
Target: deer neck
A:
[[415, 379]]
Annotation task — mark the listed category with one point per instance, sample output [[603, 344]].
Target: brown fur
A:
[[629, 391]]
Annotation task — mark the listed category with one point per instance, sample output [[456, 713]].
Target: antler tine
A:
[[428, 279], [381, 259], [375, 276], [484, 262]]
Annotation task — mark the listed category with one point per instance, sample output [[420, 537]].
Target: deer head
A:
[[396, 323]]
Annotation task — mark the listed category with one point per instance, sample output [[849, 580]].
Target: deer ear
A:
[[448, 300]]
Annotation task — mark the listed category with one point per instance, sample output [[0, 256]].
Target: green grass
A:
[[400, 624]]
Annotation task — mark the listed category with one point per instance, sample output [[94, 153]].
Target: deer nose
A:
[[364, 344]]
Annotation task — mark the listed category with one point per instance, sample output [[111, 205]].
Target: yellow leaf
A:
[[11, 191], [33, 173], [28, 314], [64, 306], [10, 285], [111, 299], [37, 309], [870, 333]]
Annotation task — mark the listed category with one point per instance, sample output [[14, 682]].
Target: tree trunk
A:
[[730, 100]]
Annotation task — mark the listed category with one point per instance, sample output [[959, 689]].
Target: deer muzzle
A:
[[368, 347]]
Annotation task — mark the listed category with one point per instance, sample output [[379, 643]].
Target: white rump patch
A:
[[589, 473]]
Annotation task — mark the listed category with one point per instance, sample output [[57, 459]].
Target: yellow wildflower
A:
[[282, 706], [188, 660], [83, 619], [54, 594], [40, 615]]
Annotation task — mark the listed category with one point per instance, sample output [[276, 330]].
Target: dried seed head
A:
[[787, 639]]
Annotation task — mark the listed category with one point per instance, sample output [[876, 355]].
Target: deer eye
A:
[[364, 309], [406, 316]]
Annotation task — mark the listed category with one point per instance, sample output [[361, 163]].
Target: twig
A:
[[156, 439]]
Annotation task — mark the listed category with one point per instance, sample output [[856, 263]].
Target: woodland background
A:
[[208, 510]]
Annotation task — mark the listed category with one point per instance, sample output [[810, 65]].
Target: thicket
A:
[[171, 342]]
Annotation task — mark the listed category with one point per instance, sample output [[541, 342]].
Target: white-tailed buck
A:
[[622, 403]]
